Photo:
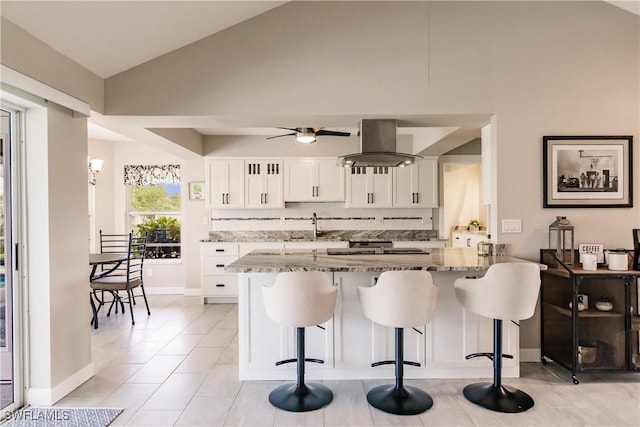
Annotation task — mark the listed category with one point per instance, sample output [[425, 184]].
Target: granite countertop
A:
[[439, 259], [323, 235]]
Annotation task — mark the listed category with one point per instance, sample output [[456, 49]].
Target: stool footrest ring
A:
[[488, 355], [393, 362], [282, 362]]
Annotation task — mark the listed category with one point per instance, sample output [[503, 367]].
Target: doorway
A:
[[462, 193]]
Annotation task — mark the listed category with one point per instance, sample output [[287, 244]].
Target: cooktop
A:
[[376, 251]]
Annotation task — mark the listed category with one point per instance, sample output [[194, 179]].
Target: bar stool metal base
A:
[[499, 399], [406, 400], [308, 397]]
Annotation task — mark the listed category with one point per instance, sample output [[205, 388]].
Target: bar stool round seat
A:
[[400, 299], [300, 299], [508, 291]]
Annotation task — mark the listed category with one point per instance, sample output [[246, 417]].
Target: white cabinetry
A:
[[217, 285], [466, 240], [416, 186], [225, 183], [263, 184], [350, 342], [318, 180], [369, 187]]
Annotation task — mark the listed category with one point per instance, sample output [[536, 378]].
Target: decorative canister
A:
[[617, 260]]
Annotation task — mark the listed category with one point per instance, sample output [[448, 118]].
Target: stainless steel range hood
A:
[[378, 146]]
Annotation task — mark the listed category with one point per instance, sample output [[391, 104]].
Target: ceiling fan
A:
[[309, 135]]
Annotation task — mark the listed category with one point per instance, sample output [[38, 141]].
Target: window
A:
[[154, 207]]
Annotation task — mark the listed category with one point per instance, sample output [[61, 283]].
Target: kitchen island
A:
[[349, 342]]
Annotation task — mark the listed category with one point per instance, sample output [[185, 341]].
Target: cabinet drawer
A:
[[213, 265], [220, 285], [219, 249]]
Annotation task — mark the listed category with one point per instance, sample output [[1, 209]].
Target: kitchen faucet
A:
[[314, 222]]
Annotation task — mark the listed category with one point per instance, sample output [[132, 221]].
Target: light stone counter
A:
[[349, 342], [436, 259]]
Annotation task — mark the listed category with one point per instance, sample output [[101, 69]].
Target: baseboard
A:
[[530, 355], [168, 290], [192, 292], [49, 396]]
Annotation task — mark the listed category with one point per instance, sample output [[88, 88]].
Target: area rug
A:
[[61, 417]]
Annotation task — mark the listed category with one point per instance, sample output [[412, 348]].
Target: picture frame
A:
[[196, 190], [587, 171]]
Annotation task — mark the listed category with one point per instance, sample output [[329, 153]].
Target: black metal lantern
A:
[[561, 239]]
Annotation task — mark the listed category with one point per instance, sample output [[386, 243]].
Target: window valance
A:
[[151, 174]]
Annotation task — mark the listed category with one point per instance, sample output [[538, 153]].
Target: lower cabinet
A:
[[216, 285], [466, 240]]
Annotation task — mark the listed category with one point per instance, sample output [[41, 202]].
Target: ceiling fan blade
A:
[[278, 136], [322, 132]]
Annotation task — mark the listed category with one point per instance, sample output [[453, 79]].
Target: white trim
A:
[[164, 290], [23, 82], [49, 396], [192, 292], [530, 354]]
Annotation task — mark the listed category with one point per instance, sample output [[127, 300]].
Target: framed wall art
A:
[[587, 171], [196, 190]]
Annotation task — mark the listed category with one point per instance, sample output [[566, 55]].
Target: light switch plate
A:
[[512, 226]]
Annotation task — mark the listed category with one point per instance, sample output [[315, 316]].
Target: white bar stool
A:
[[300, 299], [400, 299], [508, 291]]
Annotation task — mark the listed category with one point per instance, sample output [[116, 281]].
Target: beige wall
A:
[[57, 248], [28, 55]]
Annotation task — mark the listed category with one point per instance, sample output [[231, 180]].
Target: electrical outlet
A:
[[281, 220], [512, 226]]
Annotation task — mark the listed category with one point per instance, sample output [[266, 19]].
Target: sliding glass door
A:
[[10, 308]]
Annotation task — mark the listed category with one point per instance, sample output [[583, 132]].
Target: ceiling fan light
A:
[[306, 137]]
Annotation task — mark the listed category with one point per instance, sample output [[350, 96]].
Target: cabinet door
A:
[[329, 181], [369, 187], [380, 186], [416, 186], [300, 183], [357, 196], [263, 184], [225, 180]]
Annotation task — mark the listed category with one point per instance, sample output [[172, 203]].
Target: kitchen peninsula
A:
[[349, 342]]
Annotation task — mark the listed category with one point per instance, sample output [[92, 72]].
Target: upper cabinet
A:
[[268, 183], [263, 184], [369, 187], [416, 186], [225, 181], [313, 180]]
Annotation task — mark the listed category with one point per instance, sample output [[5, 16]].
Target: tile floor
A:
[[179, 367]]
